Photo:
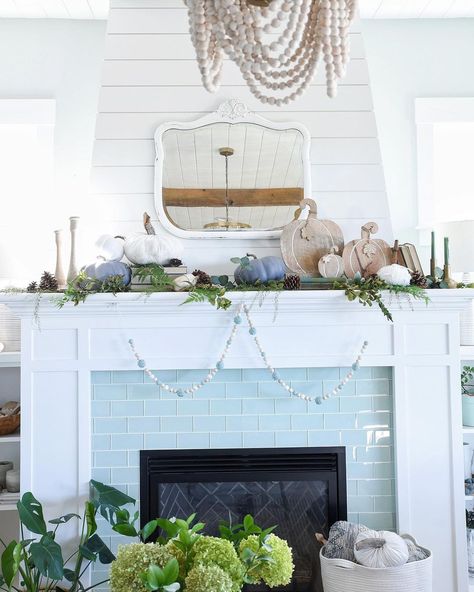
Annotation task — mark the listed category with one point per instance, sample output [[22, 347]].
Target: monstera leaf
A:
[[47, 557]]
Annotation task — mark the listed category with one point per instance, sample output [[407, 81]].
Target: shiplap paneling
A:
[[150, 76]]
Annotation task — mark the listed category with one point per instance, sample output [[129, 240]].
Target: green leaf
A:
[[10, 562], [48, 558], [30, 513], [245, 262], [223, 280], [148, 530], [97, 546], [172, 587], [236, 260], [64, 519], [125, 529], [171, 571], [90, 512], [87, 554], [107, 495], [248, 522], [69, 575], [155, 577]]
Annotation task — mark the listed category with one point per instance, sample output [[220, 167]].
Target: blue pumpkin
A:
[[261, 270], [102, 269]]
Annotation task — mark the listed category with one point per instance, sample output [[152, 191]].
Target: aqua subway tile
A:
[[127, 376], [213, 390], [127, 408], [100, 442], [377, 420], [226, 407], [357, 470], [374, 454], [324, 438], [382, 372], [133, 458], [256, 375], [188, 377], [143, 391], [261, 406], [259, 439], [229, 375], [342, 421], [379, 386], [166, 376], [140, 425], [382, 437], [374, 487], [102, 475], [384, 503], [353, 517], [176, 424], [274, 422], [241, 390], [236, 423], [291, 439], [127, 442], [323, 373], [101, 377], [313, 388], [100, 409], [288, 405], [379, 521], [226, 440], [111, 458], [290, 374], [193, 440], [160, 408], [307, 422], [193, 407], [213, 423], [329, 406], [110, 392], [361, 373], [115, 425], [99, 576], [356, 404], [160, 441], [384, 470], [348, 390], [351, 487], [354, 438], [271, 389], [382, 403], [129, 475], [133, 490], [360, 503]]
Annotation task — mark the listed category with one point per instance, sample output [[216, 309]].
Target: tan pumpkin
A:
[[304, 242], [366, 255], [331, 265]]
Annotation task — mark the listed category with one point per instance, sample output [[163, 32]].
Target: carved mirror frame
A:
[[232, 112]]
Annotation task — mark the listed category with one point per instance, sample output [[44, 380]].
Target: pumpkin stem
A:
[[368, 229], [120, 236], [370, 544], [252, 255], [147, 224]]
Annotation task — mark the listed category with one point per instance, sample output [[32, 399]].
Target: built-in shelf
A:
[[467, 353], [469, 497], [7, 507], [467, 430], [9, 359], [9, 504], [10, 438]]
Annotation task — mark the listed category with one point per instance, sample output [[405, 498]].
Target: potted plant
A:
[[467, 386]]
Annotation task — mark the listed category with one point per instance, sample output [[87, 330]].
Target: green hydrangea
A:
[[280, 570], [208, 578], [214, 551], [132, 560]]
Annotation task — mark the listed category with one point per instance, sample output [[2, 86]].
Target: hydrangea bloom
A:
[[132, 560], [208, 578], [210, 550], [279, 572]]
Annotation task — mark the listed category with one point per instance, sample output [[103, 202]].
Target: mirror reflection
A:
[[232, 176]]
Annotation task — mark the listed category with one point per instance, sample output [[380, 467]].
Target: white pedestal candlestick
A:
[[59, 272], [73, 270]]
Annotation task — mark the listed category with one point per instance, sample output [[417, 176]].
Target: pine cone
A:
[[292, 282], [203, 279], [175, 263], [48, 282], [33, 287], [418, 279]]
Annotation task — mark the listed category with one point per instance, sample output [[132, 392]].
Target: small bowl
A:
[[9, 424]]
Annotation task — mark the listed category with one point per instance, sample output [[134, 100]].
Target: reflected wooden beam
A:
[[200, 198]]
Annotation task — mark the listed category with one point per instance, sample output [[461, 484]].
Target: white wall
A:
[[59, 59], [150, 76], [409, 59]]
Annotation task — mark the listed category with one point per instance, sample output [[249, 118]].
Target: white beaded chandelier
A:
[[276, 44]]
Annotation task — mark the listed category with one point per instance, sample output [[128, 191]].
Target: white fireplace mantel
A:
[[311, 329]]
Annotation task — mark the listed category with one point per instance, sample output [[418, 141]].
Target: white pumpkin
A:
[[184, 282], [142, 249], [380, 549], [110, 247], [395, 275]]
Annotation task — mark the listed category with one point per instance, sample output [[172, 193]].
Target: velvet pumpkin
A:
[[261, 270], [102, 269]]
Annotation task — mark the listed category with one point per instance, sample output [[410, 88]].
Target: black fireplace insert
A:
[[302, 490]]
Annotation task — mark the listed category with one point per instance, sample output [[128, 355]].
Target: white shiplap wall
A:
[[150, 76]]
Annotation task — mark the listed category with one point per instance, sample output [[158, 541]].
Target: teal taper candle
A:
[[446, 250], [433, 245]]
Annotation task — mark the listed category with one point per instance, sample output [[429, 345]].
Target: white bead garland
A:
[[308, 29], [180, 392]]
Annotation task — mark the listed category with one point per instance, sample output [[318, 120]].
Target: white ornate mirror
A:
[[230, 173]]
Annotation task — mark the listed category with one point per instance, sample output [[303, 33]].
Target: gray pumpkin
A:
[[261, 270], [102, 269]]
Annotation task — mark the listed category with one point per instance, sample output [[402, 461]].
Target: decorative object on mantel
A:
[[180, 392], [111, 248], [184, 282], [9, 418], [306, 31], [304, 241], [102, 270], [2, 347], [395, 275], [448, 280], [251, 269], [419, 279], [292, 282], [73, 268], [47, 283], [142, 249], [331, 265], [467, 390], [408, 256], [366, 255], [59, 271]]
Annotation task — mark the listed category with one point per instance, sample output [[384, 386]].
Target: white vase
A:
[[467, 461]]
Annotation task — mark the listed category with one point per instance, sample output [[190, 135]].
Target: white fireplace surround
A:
[[312, 329]]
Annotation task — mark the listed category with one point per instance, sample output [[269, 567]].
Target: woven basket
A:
[[9, 424], [340, 575]]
